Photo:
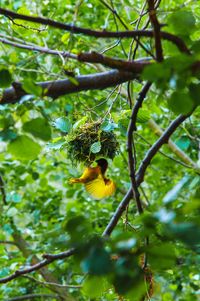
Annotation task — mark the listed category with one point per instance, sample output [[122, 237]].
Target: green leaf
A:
[[183, 142], [7, 135], [95, 147], [73, 80], [174, 192], [4, 272], [196, 47], [8, 229], [65, 38], [56, 144], [63, 124], [80, 122], [14, 197], [93, 286], [143, 116], [5, 78], [189, 233], [161, 256], [195, 93], [182, 22], [77, 227], [24, 148], [12, 212], [108, 126], [155, 72], [39, 128], [97, 262], [30, 87], [180, 103]]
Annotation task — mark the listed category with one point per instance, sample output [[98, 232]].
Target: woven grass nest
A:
[[89, 142]]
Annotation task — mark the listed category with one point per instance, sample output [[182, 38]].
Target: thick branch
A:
[[156, 27], [98, 34], [89, 57], [58, 88], [95, 57]]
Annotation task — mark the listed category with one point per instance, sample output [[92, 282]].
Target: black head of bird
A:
[[103, 164]]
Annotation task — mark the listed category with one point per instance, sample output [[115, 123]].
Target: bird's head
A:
[[103, 164]]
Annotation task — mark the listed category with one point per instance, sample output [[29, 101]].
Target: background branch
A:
[[33, 296], [98, 34], [49, 258], [2, 189]]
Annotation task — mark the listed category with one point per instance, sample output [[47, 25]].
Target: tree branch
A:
[[33, 296], [130, 142], [156, 27], [38, 48], [7, 242], [98, 34], [58, 88], [89, 57], [52, 283], [49, 258], [95, 57]]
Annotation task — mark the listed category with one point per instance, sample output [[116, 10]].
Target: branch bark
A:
[[58, 88], [49, 258], [130, 142], [156, 27]]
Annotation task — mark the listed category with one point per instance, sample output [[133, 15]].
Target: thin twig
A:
[[52, 283], [157, 145], [32, 47], [7, 242], [167, 156], [2, 189]]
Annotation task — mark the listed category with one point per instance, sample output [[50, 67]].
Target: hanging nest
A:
[[89, 142]]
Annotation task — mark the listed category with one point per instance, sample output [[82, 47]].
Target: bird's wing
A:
[[98, 189], [89, 174]]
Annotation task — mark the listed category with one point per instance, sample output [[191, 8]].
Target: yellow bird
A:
[[96, 184]]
